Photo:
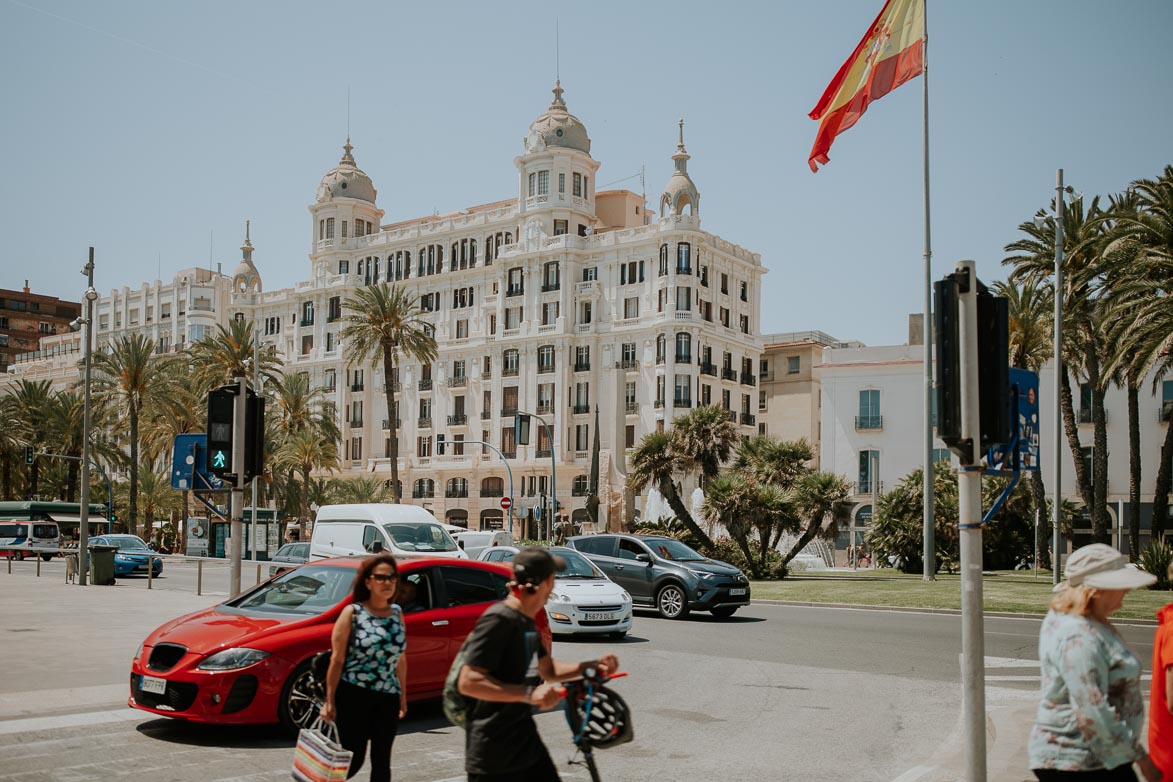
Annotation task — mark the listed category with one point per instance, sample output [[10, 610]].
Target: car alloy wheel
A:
[[671, 602], [301, 699]]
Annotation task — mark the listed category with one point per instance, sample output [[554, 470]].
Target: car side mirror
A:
[[460, 543], [377, 547], [644, 558]]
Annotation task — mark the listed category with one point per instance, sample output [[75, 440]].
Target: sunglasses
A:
[[384, 578]]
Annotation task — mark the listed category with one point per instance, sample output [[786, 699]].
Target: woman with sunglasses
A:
[[367, 678]]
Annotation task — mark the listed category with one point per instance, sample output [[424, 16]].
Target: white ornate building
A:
[[556, 302]]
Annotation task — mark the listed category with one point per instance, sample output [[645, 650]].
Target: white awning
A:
[[72, 518]]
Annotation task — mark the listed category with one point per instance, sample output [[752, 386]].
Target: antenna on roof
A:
[[557, 53], [348, 111]]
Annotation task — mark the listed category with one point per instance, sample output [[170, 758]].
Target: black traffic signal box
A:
[[221, 430]]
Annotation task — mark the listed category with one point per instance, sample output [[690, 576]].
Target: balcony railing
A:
[[509, 454], [487, 374], [509, 410], [387, 424], [629, 363], [545, 407], [514, 291], [492, 492], [683, 358], [660, 360], [356, 386], [580, 491], [424, 423], [582, 366], [545, 369], [304, 321], [543, 453], [708, 369], [582, 409], [658, 404], [510, 372], [747, 379], [678, 403], [865, 487], [729, 374], [422, 494], [457, 382], [748, 419], [550, 287], [451, 493], [486, 415], [632, 408], [356, 423], [863, 422], [425, 385], [459, 419]]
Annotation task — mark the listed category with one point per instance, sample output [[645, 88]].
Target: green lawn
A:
[[1004, 591]]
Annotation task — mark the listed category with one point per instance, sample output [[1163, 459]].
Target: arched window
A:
[[511, 361], [457, 487], [661, 348], [472, 253], [684, 258], [492, 487], [582, 486], [684, 348], [424, 487], [663, 260]]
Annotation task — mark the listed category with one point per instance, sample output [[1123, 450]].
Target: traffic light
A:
[[254, 441], [439, 445], [948, 380], [993, 368], [29, 454], [521, 429], [221, 420]]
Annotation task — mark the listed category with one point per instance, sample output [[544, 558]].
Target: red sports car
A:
[[248, 660]]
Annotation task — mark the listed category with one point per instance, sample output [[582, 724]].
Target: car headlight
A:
[[559, 597], [139, 652], [703, 575], [231, 659], [626, 597]]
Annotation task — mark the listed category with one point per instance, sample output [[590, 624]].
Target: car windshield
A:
[[668, 548], [420, 537], [307, 591], [577, 566], [126, 542]]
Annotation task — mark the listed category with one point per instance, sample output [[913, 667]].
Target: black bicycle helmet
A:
[[598, 717]]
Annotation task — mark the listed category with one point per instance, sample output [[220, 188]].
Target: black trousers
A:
[[542, 771], [1119, 774], [365, 716]]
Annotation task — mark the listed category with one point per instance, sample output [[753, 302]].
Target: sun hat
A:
[[1102, 567], [533, 565]]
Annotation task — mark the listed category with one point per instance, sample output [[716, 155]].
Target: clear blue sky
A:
[[143, 127]]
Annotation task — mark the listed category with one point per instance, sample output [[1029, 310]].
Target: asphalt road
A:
[[777, 692]]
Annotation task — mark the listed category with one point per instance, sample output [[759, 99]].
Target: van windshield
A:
[[420, 537]]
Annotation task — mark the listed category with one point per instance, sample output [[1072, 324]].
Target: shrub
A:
[[1155, 558], [727, 550]]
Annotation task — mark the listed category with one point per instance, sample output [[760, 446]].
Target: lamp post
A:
[[91, 295]]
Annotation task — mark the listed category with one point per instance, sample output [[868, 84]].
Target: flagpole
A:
[[930, 549]]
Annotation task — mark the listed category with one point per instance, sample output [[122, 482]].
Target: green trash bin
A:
[[102, 565]]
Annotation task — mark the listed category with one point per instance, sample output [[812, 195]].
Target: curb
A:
[[945, 611]]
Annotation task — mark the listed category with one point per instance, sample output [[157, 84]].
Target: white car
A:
[[584, 600]]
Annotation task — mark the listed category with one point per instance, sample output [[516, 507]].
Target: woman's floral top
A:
[[375, 646], [1092, 711]]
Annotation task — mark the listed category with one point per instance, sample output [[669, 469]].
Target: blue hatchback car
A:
[[131, 556]]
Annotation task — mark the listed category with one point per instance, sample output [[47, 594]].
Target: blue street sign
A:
[[1024, 388], [189, 468]]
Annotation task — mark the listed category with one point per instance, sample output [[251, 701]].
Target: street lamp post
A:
[[91, 295], [553, 477]]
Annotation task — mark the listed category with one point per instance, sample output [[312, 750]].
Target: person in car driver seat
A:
[[505, 665]]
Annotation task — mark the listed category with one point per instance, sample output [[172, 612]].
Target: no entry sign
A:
[[506, 503]]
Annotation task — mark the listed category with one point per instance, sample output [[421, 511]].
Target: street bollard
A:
[[10, 563], [199, 577], [150, 571], [258, 572], [37, 557]]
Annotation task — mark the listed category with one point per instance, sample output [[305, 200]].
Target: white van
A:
[[358, 530], [475, 541]]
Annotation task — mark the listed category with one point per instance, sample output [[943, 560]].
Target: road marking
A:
[[915, 773], [69, 721], [1010, 662]]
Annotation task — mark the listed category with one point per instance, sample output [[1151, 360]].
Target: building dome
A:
[[680, 194], [557, 128], [246, 278], [346, 180]]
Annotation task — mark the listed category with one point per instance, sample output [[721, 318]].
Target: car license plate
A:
[[600, 617], [736, 592], [154, 685]]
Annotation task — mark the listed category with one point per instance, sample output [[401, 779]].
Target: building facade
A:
[[26, 318], [561, 301]]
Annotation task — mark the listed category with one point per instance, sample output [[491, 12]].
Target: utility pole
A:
[[257, 386], [238, 451], [84, 513], [1057, 491], [969, 493]]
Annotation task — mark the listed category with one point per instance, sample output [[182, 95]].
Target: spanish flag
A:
[[891, 53]]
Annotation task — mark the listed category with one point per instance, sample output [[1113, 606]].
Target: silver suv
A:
[[665, 574]]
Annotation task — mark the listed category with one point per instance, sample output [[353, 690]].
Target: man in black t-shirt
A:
[[505, 665]]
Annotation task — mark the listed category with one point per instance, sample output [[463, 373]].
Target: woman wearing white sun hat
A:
[[1091, 717]]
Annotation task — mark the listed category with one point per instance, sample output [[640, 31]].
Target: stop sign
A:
[[506, 503]]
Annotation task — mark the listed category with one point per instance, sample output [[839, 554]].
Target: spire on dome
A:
[[681, 157], [246, 278], [680, 194], [558, 103], [347, 158]]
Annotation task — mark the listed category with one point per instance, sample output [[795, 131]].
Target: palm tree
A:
[[743, 505], [653, 463], [704, 439], [1033, 260], [779, 463], [29, 401], [180, 407], [383, 321], [360, 490], [1143, 238], [299, 406], [66, 422], [9, 445], [123, 378], [305, 452], [155, 497], [1031, 346], [822, 501], [221, 357]]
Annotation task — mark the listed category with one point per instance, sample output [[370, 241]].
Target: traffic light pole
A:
[[83, 526], [969, 494], [238, 451]]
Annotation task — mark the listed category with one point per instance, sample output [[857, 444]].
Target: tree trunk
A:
[[764, 531], [668, 489], [1073, 443], [1038, 494], [1101, 520], [71, 480], [132, 509], [305, 503], [1161, 491], [6, 475], [1134, 471], [392, 418], [808, 534]]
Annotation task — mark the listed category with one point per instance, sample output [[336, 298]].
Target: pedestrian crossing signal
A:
[[219, 461], [29, 454]]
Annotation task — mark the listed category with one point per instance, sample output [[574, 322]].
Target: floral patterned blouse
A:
[[375, 646], [1092, 711]]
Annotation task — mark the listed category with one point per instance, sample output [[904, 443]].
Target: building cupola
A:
[[346, 180], [246, 278], [680, 194]]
